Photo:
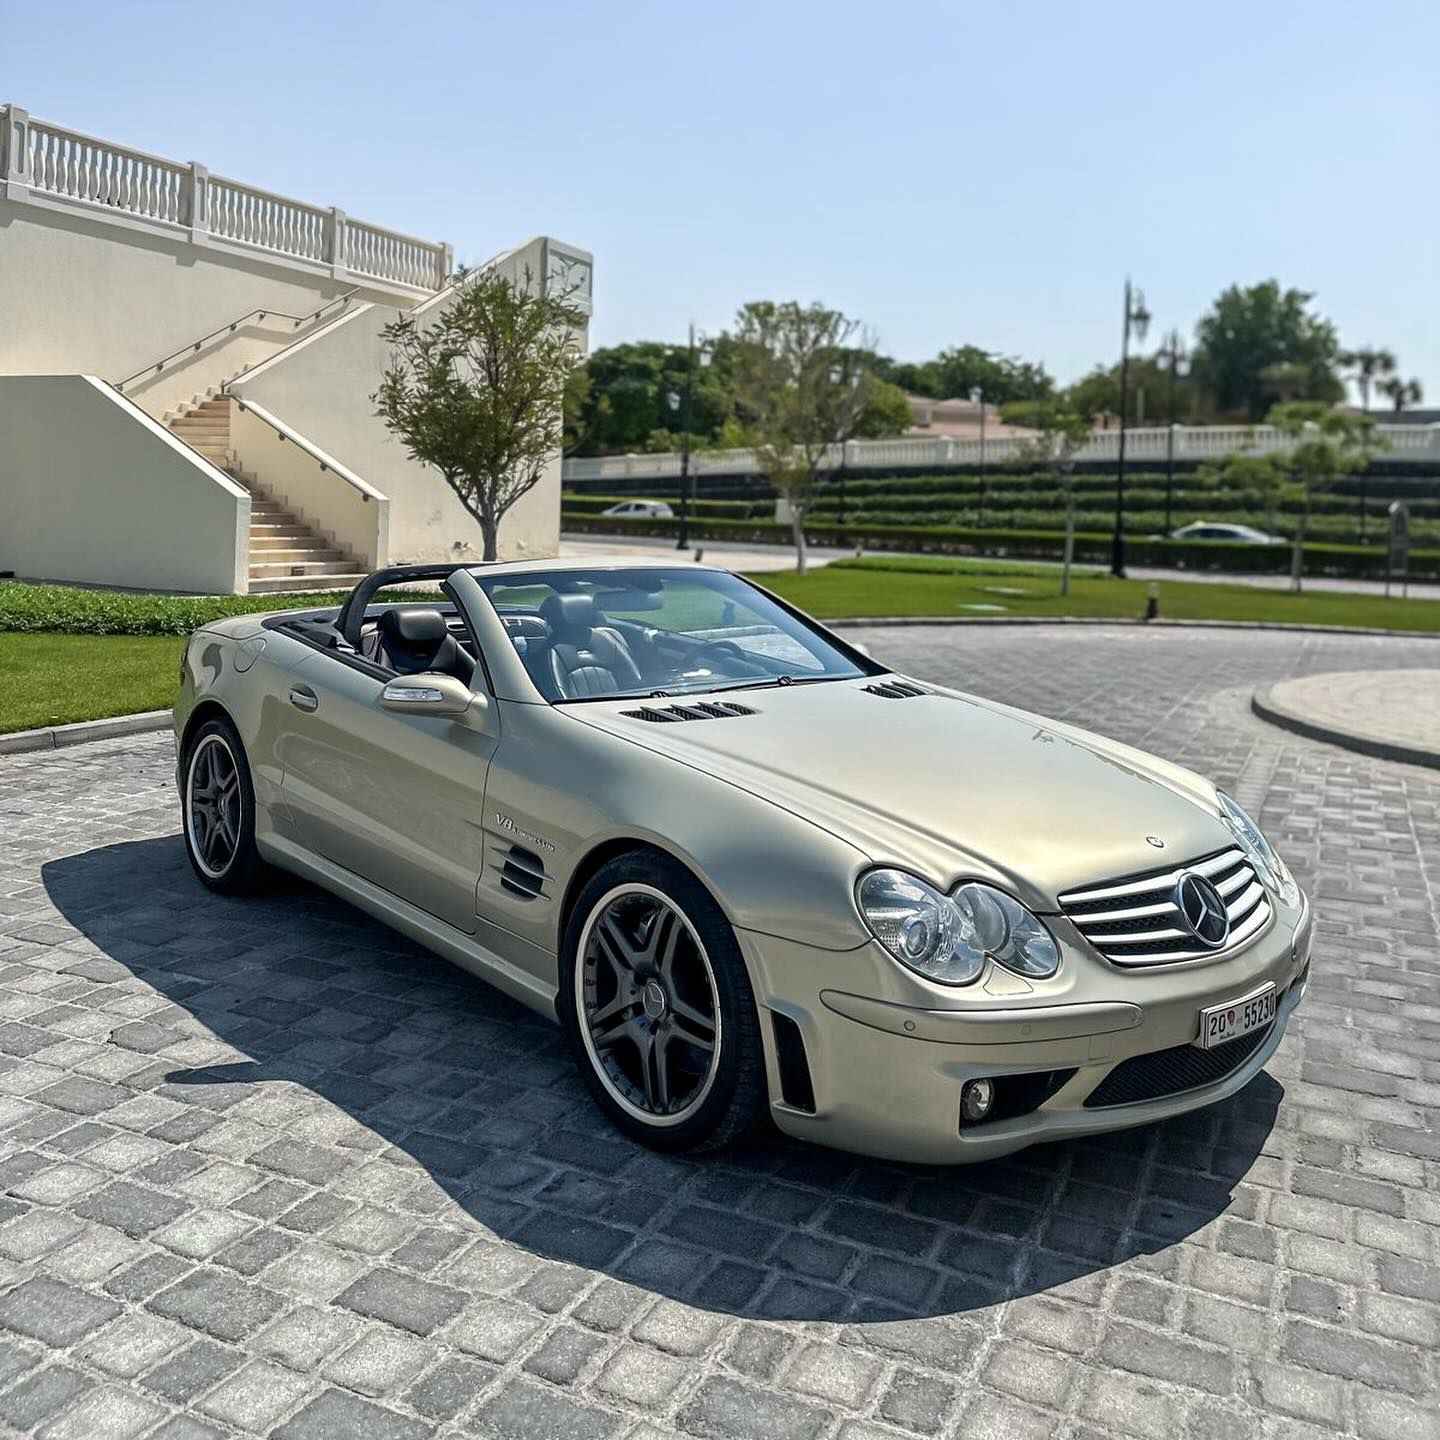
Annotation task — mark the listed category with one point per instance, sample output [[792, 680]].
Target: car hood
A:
[[945, 784]]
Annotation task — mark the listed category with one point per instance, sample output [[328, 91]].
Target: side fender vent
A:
[[895, 690], [523, 873], [797, 1090], [700, 710]]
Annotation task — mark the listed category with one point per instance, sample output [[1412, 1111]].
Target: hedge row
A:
[[68, 610], [1091, 547]]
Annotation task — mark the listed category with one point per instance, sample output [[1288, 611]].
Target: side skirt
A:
[[454, 945]]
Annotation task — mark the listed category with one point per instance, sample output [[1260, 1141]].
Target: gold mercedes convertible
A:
[[748, 868]]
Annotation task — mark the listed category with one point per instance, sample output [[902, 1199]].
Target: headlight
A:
[[1273, 872], [946, 938]]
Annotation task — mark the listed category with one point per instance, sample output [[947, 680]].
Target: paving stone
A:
[[524, 1410], [729, 1410], [192, 1372], [400, 1299], [40, 1395], [643, 1377], [336, 1415], [222, 1305], [256, 1396], [378, 1362], [564, 1355], [449, 1387], [115, 1413], [835, 1374], [53, 1313]]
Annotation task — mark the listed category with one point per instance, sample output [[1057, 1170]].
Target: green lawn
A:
[[847, 590], [54, 679], [48, 678]]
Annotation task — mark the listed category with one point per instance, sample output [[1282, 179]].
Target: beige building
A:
[[186, 365]]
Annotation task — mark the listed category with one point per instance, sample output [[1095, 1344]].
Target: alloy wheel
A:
[[212, 805], [648, 1005]]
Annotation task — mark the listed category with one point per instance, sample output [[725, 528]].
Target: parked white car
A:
[[641, 510], [1236, 534]]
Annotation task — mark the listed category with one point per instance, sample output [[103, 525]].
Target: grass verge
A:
[[843, 590], [56, 679]]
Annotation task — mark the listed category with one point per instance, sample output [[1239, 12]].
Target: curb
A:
[[1263, 704], [880, 621], [56, 737]]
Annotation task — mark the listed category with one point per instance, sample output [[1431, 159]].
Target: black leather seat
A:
[[411, 642], [584, 656]]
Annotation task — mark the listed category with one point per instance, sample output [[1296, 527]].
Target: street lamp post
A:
[[841, 375], [1179, 365], [705, 354], [1137, 318], [977, 397]]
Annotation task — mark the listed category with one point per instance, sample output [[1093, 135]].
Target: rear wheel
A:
[[657, 1003], [218, 811]]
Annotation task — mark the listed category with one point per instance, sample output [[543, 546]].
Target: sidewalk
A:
[[1393, 714]]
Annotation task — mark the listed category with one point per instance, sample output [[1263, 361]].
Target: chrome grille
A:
[[1135, 921]]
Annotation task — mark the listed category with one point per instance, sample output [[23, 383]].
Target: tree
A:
[[1252, 480], [887, 412], [1366, 365], [1401, 393], [802, 389], [956, 371], [1061, 429], [478, 393], [1326, 445], [1249, 330]]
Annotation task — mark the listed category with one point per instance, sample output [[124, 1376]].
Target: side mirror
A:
[[436, 694]]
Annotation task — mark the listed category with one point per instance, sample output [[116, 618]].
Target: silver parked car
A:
[[1220, 530], [641, 510], [749, 869]]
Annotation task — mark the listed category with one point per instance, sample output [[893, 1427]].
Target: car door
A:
[[396, 799]]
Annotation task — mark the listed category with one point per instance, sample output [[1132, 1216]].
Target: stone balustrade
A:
[[51, 165], [1144, 448]]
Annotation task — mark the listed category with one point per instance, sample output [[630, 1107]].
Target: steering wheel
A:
[[728, 650]]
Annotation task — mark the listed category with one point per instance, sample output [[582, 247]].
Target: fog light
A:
[[976, 1100]]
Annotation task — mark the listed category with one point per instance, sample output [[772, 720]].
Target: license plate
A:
[[1222, 1023]]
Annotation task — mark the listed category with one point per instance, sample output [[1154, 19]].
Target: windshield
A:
[[611, 633]]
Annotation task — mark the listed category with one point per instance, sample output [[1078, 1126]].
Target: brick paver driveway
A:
[[268, 1168]]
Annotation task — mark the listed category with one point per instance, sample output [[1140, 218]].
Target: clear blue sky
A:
[[951, 173]]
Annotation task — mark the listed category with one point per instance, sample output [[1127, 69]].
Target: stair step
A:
[[346, 581], [312, 554], [278, 537], [261, 570]]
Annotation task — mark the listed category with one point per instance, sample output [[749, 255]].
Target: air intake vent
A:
[[523, 873], [895, 690], [701, 710]]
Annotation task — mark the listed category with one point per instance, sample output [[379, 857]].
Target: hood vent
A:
[[895, 690], [523, 873], [701, 710]]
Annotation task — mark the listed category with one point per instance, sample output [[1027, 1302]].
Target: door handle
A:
[[302, 697]]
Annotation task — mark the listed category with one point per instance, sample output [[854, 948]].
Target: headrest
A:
[[565, 613], [414, 627]]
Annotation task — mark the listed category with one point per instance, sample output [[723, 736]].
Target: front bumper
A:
[[886, 1077]]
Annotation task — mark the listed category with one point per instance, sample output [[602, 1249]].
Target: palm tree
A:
[[1400, 392], [1366, 365]]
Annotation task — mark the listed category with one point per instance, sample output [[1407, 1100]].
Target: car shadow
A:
[[458, 1085]]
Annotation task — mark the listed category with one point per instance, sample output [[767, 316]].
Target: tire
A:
[[228, 863], [707, 1101]]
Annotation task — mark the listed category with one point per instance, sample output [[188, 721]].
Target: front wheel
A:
[[218, 810], [657, 1004]]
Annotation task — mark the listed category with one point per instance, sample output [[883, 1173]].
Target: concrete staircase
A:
[[285, 553]]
